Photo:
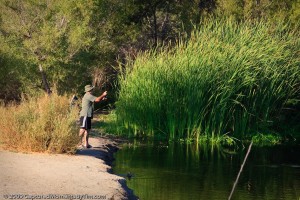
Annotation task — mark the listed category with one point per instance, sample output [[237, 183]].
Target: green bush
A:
[[229, 78]]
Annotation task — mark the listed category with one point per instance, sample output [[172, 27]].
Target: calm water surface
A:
[[180, 171]]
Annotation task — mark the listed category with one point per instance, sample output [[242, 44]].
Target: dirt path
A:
[[85, 173]]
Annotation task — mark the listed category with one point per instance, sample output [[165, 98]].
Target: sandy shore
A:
[[86, 173]]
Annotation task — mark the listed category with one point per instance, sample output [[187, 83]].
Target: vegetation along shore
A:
[[220, 73], [229, 81]]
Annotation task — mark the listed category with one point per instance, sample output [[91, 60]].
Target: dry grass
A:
[[44, 124]]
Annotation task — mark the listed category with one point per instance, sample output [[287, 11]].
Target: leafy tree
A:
[[260, 9], [57, 35], [295, 12], [69, 39], [76, 41]]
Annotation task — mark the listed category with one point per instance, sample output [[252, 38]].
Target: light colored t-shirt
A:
[[87, 105]]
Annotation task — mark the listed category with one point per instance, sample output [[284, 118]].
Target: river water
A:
[[164, 171]]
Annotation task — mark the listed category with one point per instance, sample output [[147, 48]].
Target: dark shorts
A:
[[85, 122]]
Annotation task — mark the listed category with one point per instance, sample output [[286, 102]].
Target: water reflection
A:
[[179, 171]]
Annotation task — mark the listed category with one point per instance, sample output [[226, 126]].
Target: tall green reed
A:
[[228, 78]]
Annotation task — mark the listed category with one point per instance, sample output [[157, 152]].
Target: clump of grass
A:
[[268, 139], [43, 124], [229, 79], [109, 125]]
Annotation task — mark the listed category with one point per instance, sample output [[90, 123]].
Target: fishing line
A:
[[241, 169]]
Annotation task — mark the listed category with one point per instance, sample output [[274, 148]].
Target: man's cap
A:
[[88, 88]]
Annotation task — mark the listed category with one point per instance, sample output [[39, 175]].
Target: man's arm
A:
[[101, 97]]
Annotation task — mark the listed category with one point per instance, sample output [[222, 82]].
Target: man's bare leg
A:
[[86, 138], [81, 135], [81, 132]]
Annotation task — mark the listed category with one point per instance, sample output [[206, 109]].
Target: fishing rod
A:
[[241, 169]]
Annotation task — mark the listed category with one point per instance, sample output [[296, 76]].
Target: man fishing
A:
[[86, 114]]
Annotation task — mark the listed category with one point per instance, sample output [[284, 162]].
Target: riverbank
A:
[[88, 172]]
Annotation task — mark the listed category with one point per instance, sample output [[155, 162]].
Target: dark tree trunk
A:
[[155, 26], [45, 82]]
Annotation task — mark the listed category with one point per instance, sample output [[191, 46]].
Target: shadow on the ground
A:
[[99, 150]]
